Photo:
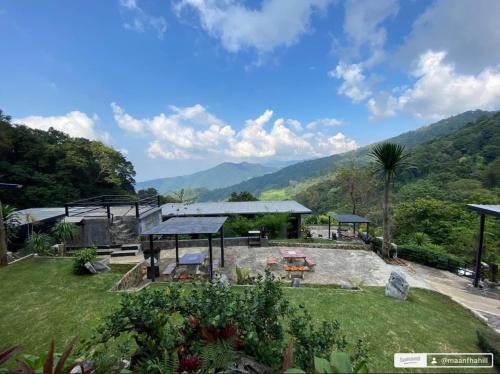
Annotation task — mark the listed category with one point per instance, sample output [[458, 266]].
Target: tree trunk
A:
[[3, 240], [386, 247]]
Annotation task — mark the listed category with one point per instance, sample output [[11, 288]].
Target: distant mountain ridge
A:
[[219, 176], [317, 167]]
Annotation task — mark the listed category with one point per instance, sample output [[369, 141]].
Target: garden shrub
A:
[[273, 224], [203, 327], [81, 257], [40, 244], [430, 257], [489, 341]]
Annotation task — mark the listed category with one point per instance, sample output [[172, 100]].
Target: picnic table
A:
[[189, 265], [295, 262]]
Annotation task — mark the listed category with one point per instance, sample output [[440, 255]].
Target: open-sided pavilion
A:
[[188, 226], [483, 210], [349, 219]]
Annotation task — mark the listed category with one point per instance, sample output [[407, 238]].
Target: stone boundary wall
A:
[[333, 245], [228, 242], [132, 279]]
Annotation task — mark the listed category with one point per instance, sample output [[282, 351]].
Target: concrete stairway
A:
[[126, 240]]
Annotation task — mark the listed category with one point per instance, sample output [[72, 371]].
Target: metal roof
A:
[[240, 207], [492, 210], [187, 225], [38, 214], [349, 218]]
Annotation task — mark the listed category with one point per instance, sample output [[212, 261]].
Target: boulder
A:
[[295, 282], [397, 286], [101, 267], [90, 268], [224, 280]]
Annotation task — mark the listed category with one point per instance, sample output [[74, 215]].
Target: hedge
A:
[[489, 341], [426, 257]]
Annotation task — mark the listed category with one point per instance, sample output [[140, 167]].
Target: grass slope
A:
[[41, 299]]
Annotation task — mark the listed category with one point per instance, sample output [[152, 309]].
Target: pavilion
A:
[[483, 210], [349, 219], [187, 226]]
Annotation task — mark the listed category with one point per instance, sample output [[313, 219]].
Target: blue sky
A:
[[179, 86]]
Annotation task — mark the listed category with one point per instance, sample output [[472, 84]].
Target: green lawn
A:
[[41, 299]]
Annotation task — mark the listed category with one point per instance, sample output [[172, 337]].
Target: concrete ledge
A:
[[22, 258], [333, 245], [170, 244]]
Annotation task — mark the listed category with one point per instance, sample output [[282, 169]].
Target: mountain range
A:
[[222, 175], [321, 166]]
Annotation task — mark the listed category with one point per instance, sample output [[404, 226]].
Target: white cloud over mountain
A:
[[75, 123], [276, 23], [440, 91], [193, 133]]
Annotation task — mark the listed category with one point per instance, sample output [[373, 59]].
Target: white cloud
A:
[[337, 144], [467, 30], [194, 133], [354, 83], [362, 26], [276, 23], [440, 91], [136, 19], [329, 122], [75, 124], [125, 121]]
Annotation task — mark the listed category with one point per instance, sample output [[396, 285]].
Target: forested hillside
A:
[[321, 166], [431, 194], [222, 175], [55, 168]]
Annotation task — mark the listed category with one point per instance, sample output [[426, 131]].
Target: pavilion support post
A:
[[211, 265], [222, 246], [329, 227], [479, 253], [177, 249], [354, 230], [152, 258]]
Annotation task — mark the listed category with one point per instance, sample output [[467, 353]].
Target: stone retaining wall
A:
[[228, 242], [333, 245], [132, 279]]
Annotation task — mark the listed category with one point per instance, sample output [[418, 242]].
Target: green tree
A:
[[390, 158], [355, 185], [242, 196]]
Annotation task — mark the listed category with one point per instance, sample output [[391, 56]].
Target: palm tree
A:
[[390, 159]]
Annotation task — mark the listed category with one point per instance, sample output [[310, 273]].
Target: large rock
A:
[[397, 286], [101, 267], [90, 268]]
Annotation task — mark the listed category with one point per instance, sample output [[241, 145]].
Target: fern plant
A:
[[218, 355]]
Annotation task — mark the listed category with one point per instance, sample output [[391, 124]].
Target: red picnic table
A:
[[296, 261]]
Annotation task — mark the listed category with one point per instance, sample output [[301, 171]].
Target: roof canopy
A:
[[187, 225], [240, 207], [492, 210], [349, 218]]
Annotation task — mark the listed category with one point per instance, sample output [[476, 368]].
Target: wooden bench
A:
[[169, 269], [271, 261], [310, 262]]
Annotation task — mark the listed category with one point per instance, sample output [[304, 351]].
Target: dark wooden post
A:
[[210, 256], [108, 211], [479, 252], [136, 209], [158, 199], [177, 249], [329, 227], [152, 258], [66, 210], [222, 246]]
